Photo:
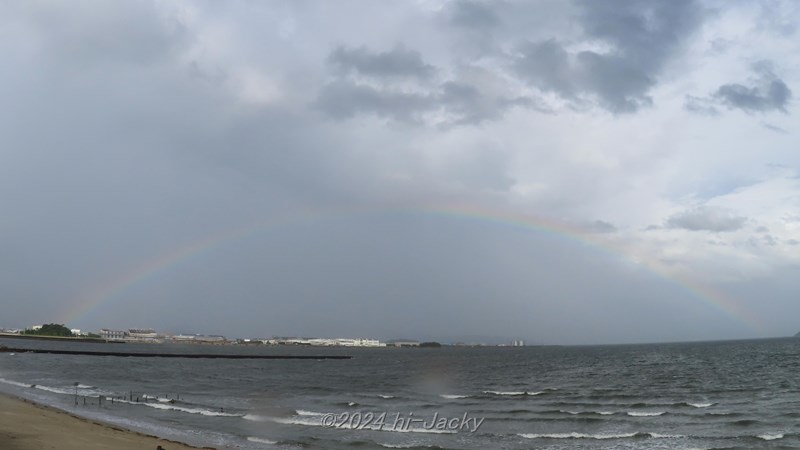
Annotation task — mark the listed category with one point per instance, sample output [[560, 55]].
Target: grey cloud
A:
[[774, 128], [770, 96], [700, 105], [101, 32], [472, 14], [770, 240], [763, 93], [706, 218], [469, 106], [344, 99], [547, 64], [460, 103], [398, 62], [720, 46], [643, 36], [601, 226], [778, 18]]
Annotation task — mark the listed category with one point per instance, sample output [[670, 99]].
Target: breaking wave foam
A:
[[453, 396], [770, 437], [514, 393], [599, 436]]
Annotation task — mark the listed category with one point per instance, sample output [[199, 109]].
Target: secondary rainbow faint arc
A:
[[110, 290]]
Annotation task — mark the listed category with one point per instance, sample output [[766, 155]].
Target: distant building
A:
[[75, 331], [105, 333], [328, 342], [183, 337], [142, 334], [199, 338]]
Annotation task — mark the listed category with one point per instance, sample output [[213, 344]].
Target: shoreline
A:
[[27, 425]]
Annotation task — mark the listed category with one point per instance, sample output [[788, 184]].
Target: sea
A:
[[700, 395]]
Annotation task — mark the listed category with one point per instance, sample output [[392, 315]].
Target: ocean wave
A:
[[157, 398], [257, 418], [645, 413], [261, 440], [576, 413], [314, 419], [410, 446], [386, 396], [82, 389], [666, 436], [55, 390], [453, 396], [600, 436], [416, 430], [15, 383], [701, 405], [579, 436], [770, 437], [513, 393], [746, 422], [204, 412]]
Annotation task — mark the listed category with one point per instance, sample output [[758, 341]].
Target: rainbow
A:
[[106, 293]]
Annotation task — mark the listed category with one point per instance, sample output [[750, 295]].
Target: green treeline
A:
[[50, 329]]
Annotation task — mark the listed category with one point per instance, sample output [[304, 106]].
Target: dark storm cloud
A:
[[772, 95], [469, 106], [764, 93], [642, 37], [706, 218], [472, 14], [455, 103], [460, 103], [397, 62]]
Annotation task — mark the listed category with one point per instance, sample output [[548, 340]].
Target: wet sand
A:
[[28, 426]]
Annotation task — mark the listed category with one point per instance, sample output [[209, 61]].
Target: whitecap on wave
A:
[[577, 436], [599, 436], [645, 413], [513, 393], [453, 396], [201, 411], [770, 437], [261, 440]]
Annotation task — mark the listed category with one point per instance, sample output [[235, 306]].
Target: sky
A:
[[582, 172]]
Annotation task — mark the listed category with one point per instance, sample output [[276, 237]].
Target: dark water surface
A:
[[742, 394]]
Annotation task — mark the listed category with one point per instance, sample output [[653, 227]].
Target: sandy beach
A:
[[28, 426]]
